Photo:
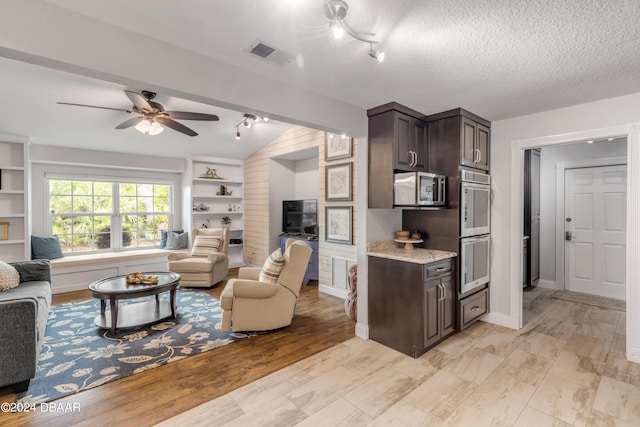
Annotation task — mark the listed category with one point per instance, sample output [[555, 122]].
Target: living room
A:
[[314, 96]]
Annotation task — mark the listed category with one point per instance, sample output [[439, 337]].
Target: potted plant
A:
[[226, 221]]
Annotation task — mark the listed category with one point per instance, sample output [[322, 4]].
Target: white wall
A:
[[281, 187], [508, 137], [549, 158], [307, 179]]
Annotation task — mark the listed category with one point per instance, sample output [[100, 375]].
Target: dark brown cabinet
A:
[[411, 306], [397, 142], [474, 144]]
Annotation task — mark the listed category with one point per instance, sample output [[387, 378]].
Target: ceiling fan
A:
[[150, 116]]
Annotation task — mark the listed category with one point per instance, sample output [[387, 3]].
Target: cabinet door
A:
[[468, 147], [431, 312], [419, 145], [447, 319], [404, 129], [482, 145]]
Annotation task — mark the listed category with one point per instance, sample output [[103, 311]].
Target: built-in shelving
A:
[[14, 198], [203, 191]]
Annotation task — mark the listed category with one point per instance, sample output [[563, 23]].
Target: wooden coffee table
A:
[[136, 314]]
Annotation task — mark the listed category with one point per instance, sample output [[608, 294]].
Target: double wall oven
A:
[[475, 199]]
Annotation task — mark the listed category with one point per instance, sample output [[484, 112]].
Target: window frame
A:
[[115, 214]]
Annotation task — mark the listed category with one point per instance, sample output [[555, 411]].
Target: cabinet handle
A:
[[440, 269], [479, 155], [410, 153], [415, 158], [475, 308]]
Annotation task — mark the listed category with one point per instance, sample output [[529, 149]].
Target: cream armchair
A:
[[251, 305], [203, 266]]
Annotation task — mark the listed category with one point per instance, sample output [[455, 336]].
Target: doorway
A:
[[595, 230]]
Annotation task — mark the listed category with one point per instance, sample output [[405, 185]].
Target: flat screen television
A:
[[300, 216]]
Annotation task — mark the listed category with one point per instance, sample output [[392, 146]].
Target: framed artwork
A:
[[4, 231], [338, 182], [338, 224], [337, 147]]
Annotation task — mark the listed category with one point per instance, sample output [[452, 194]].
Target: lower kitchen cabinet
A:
[[411, 305], [473, 307]]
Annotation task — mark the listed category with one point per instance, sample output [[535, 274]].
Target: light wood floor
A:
[[148, 398], [566, 367]]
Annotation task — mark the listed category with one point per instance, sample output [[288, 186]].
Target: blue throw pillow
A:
[[45, 247], [177, 240], [163, 237]]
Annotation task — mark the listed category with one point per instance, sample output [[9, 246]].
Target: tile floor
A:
[[565, 367]]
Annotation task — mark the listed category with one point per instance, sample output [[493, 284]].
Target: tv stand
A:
[[311, 240]]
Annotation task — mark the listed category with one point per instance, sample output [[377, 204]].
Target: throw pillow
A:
[[177, 240], [9, 276], [45, 247], [163, 236], [205, 245], [272, 267]]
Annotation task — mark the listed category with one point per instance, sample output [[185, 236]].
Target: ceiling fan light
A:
[[144, 126], [336, 29], [155, 128]]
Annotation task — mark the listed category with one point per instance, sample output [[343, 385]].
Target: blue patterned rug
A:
[[76, 355]]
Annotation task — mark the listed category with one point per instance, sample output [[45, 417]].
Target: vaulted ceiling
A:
[[497, 58]]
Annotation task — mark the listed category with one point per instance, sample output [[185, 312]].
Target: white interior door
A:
[[595, 229]]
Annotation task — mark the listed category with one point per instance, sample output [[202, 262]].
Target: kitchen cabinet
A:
[[411, 305], [458, 138], [397, 143]]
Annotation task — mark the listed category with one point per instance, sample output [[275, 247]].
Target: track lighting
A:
[[336, 11], [247, 120]]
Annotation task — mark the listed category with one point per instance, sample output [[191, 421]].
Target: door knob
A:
[[568, 236]]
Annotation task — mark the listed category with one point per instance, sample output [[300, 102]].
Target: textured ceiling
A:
[[497, 58]]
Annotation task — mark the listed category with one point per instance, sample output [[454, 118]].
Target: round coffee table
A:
[[136, 314]]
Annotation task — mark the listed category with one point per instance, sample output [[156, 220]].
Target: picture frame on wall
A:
[[338, 182], [337, 147], [339, 224], [4, 231]]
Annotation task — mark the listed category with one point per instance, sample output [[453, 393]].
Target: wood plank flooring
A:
[[148, 398]]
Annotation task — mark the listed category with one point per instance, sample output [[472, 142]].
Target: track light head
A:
[[375, 53], [247, 124], [237, 133]]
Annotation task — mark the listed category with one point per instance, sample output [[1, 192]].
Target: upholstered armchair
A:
[[261, 301], [207, 263]]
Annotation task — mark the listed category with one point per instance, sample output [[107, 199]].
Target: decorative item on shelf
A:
[[230, 208], [416, 235], [4, 231], [226, 221], [201, 208], [402, 235], [224, 191], [206, 225], [211, 174]]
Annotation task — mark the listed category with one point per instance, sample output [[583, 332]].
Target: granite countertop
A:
[[390, 250]]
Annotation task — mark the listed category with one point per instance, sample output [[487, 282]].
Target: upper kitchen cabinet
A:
[[397, 143], [458, 134]]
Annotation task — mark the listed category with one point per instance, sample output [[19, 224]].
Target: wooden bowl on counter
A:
[[402, 235]]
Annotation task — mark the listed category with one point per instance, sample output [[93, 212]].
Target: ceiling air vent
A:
[[270, 53]]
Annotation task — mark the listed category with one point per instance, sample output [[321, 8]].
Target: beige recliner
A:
[[251, 305], [203, 266]]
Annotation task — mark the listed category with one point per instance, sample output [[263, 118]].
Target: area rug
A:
[[76, 355], [593, 300]]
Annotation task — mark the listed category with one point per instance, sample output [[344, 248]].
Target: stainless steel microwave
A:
[[419, 189]]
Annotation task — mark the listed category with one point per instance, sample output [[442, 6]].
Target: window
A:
[[90, 216]]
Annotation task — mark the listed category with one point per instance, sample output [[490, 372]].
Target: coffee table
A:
[[135, 314]]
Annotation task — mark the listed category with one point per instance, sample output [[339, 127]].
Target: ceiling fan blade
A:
[[170, 123], [138, 100], [95, 106], [183, 115], [131, 122]]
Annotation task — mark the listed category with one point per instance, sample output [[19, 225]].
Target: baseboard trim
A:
[[502, 320], [362, 331], [340, 293], [633, 353], [61, 289], [547, 284]]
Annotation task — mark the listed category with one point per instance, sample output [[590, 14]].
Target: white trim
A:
[[561, 167], [502, 319], [632, 132], [548, 284], [362, 330], [330, 290]]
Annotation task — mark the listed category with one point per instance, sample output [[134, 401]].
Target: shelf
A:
[[11, 191], [11, 168], [11, 242], [216, 213], [12, 216], [217, 181], [232, 197]]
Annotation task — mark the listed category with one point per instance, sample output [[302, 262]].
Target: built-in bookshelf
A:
[[14, 199], [217, 196]]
